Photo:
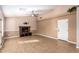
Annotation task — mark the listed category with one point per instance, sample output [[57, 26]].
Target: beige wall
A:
[[49, 26], [12, 34], [13, 23], [72, 27]]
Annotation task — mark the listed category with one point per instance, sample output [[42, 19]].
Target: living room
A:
[[39, 28]]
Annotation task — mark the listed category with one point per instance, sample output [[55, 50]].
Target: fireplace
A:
[[24, 31]]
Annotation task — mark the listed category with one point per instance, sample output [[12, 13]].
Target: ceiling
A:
[[26, 10]]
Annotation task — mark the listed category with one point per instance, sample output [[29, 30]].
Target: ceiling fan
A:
[[35, 13]]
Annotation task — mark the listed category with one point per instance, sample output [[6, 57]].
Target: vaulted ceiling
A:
[[26, 10]]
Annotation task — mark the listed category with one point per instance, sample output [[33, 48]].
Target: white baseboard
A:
[[55, 38], [11, 37], [41, 35], [71, 42], [47, 36]]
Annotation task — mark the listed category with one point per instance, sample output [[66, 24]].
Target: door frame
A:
[[67, 30]]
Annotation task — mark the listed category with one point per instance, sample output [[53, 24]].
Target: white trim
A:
[[71, 42], [77, 27], [47, 36], [56, 38], [11, 37]]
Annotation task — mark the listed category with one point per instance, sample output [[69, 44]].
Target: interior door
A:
[[63, 29]]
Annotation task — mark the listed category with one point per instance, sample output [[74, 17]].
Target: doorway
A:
[[62, 32]]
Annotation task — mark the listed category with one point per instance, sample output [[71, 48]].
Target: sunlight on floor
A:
[[28, 41]]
